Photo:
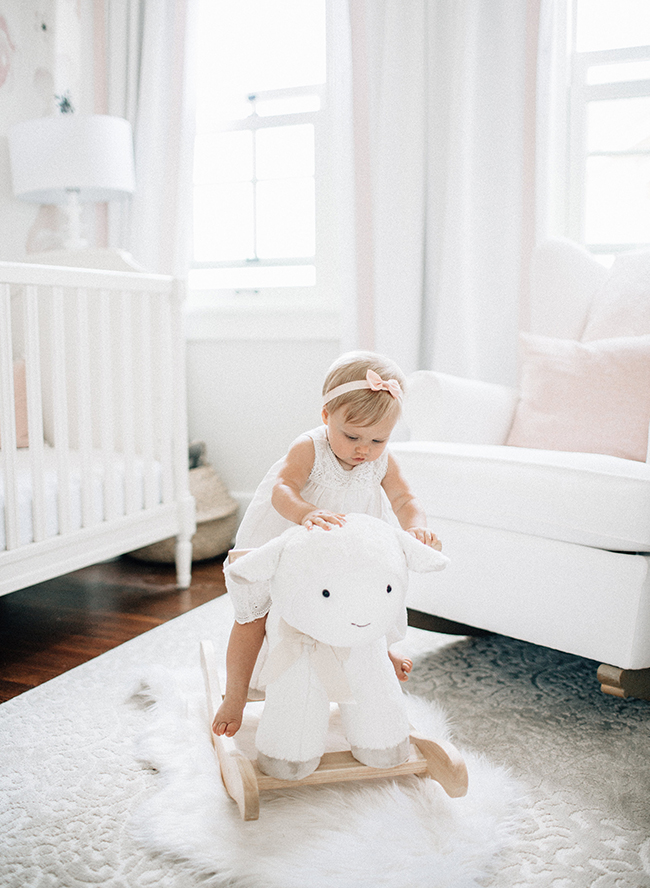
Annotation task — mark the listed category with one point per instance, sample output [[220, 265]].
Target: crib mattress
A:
[[99, 491]]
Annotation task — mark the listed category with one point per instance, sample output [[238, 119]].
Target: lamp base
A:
[[72, 211]]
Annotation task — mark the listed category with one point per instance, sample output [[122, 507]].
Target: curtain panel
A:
[[444, 147], [144, 71]]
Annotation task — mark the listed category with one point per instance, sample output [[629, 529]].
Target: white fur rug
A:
[[398, 833]]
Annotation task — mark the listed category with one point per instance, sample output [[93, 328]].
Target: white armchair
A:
[[549, 543]]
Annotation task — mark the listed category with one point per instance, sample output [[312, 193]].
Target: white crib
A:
[[93, 427]]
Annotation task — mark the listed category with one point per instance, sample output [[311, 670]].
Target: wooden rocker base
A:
[[624, 682], [244, 781]]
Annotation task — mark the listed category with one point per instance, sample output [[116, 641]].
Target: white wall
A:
[[249, 398]]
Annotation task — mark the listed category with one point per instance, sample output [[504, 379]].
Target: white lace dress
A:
[[329, 486]]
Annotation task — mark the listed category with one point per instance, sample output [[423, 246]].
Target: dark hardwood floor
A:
[[50, 628]]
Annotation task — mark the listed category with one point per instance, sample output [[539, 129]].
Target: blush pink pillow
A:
[[590, 397], [20, 401]]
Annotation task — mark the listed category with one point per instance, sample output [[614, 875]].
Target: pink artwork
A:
[[6, 50]]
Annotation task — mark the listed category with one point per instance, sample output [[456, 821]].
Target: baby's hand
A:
[[322, 518], [426, 536]]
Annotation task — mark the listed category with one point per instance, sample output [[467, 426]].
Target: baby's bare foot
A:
[[228, 719], [401, 665]]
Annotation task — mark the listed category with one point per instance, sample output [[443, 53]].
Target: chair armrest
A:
[[440, 407]]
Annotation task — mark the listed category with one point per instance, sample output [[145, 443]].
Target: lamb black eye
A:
[[326, 593], [389, 588]]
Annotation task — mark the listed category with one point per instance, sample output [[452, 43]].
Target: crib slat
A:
[[8, 421], [146, 392], [60, 409], [84, 420], [127, 404], [34, 410], [106, 407], [179, 412], [166, 400]]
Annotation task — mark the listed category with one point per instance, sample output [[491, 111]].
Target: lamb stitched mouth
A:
[[361, 625]]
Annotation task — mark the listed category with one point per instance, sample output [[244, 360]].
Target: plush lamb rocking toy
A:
[[336, 595]]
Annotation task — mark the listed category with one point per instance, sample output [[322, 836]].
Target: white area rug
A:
[[78, 808]]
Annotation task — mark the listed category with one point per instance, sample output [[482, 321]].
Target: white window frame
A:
[[255, 122], [322, 300], [579, 95]]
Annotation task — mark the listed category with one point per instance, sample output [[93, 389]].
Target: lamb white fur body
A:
[[335, 596]]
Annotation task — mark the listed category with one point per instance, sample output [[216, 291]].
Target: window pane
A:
[[223, 157], [617, 205], [285, 218], [618, 124], [612, 24], [285, 152], [223, 222], [252, 278], [255, 187]]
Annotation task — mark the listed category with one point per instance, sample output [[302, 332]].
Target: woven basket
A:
[[216, 521]]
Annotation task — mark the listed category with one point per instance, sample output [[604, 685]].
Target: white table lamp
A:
[[71, 159]]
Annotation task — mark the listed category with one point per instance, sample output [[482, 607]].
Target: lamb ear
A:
[[419, 557], [260, 564]]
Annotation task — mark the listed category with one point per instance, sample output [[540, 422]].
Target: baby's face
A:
[[353, 444]]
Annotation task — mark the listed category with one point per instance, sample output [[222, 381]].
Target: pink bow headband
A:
[[372, 381]]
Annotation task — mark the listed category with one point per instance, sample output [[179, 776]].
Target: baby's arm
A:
[[292, 477], [406, 507], [412, 518]]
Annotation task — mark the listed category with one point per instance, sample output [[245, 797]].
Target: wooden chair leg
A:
[[624, 682]]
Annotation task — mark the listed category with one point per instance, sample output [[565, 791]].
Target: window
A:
[[609, 139], [261, 116]]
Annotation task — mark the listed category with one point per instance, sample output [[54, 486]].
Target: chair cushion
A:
[[591, 397], [590, 499]]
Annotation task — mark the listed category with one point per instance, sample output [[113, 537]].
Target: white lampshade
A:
[[89, 156]]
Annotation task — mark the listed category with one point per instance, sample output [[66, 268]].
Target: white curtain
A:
[[149, 74], [552, 124], [444, 165]]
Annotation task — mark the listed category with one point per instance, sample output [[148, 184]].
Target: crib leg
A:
[[183, 561], [183, 552]]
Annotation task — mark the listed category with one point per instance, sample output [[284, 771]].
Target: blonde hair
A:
[[363, 407]]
